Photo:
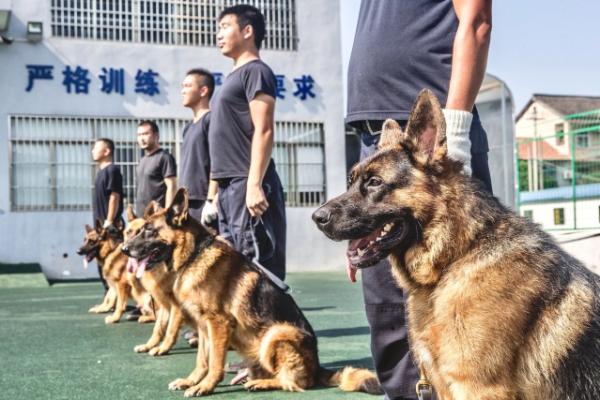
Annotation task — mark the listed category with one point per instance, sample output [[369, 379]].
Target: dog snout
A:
[[125, 249], [322, 216]]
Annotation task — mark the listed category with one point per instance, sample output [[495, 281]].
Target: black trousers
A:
[[261, 238], [384, 304], [195, 211]]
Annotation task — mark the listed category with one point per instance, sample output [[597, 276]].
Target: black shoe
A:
[[134, 315]]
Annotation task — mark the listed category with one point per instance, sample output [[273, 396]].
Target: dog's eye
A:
[[374, 181]]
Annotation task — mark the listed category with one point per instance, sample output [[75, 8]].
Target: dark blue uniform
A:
[[400, 48], [230, 142], [194, 168]]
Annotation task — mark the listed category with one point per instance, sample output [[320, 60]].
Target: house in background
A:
[[558, 161]]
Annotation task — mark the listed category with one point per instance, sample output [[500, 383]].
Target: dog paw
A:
[[199, 390], [158, 351], [144, 319], [141, 348], [180, 384], [111, 320]]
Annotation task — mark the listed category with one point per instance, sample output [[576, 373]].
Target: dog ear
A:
[[426, 127], [130, 214], [151, 209], [177, 212], [391, 134], [98, 226], [88, 228]]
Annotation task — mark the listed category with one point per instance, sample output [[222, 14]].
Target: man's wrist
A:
[[458, 122]]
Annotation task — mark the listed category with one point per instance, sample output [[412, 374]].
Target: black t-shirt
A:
[[108, 180], [401, 47], [231, 128], [151, 173], [194, 168]]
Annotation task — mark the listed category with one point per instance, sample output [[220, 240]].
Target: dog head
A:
[[99, 240], [392, 193], [152, 239]]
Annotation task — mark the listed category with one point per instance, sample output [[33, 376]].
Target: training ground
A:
[[51, 348]]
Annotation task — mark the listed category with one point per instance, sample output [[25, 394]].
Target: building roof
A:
[[546, 151], [563, 104], [564, 193]]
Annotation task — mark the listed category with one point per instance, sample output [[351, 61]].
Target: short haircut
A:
[[206, 79], [109, 143], [248, 15], [151, 124]]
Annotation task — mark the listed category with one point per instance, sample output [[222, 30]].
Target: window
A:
[[559, 131], [559, 216], [582, 140], [174, 22], [52, 168], [528, 214]]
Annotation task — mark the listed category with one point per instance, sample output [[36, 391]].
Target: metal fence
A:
[[558, 171], [173, 22], [52, 169]]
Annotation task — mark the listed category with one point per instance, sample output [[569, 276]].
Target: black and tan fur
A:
[[232, 303], [105, 246], [496, 309], [159, 283]]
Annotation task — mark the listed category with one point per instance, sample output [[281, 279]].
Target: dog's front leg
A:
[[218, 341], [201, 368], [158, 332], [175, 321], [122, 296]]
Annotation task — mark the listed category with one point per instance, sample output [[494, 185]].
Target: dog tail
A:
[[350, 379]]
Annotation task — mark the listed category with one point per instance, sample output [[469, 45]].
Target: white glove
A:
[[209, 212], [106, 224], [458, 126]]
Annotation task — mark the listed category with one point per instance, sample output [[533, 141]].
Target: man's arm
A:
[[171, 183], [113, 206], [469, 52], [262, 110]]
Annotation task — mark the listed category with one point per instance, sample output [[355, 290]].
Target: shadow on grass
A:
[[307, 309], [366, 362], [359, 330]]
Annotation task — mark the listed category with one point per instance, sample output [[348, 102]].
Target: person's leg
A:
[[224, 218], [384, 306], [195, 209]]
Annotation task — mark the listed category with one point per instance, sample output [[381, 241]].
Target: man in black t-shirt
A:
[[400, 48], [107, 202], [157, 172], [194, 171], [250, 196]]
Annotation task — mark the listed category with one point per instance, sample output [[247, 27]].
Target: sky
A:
[[538, 46]]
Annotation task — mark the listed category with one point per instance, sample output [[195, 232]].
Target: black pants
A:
[[195, 211], [384, 303], [248, 235]]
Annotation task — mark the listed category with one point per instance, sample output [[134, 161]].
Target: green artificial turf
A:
[[52, 348]]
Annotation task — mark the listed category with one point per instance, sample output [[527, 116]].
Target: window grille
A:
[[173, 22], [52, 167]]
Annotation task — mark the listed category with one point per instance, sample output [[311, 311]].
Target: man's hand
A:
[[256, 201], [209, 213], [458, 126], [106, 224]]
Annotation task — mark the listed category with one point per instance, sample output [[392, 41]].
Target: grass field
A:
[[53, 349]]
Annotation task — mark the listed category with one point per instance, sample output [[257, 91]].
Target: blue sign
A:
[[113, 80], [304, 86], [145, 82], [38, 72], [76, 79]]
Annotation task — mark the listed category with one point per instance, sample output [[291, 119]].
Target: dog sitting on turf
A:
[[105, 245], [496, 309], [157, 281], [233, 303]]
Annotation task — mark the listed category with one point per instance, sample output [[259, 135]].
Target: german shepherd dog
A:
[[233, 303], [496, 310], [158, 281], [105, 245]]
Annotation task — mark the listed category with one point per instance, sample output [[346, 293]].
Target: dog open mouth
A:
[[89, 257], [139, 266], [367, 251]]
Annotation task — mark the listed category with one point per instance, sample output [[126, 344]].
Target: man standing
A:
[[196, 90], [156, 173], [107, 203], [401, 47], [250, 195]]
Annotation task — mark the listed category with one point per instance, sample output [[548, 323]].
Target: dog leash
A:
[[272, 277], [423, 387]]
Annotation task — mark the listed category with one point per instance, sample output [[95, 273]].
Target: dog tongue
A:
[[85, 263], [141, 267], [132, 264]]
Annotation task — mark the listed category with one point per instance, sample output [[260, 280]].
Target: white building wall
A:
[[51, 238], [588, 214]]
